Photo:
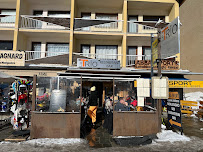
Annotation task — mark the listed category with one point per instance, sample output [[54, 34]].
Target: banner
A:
[[155, 52], [12, 58], [170, 39]]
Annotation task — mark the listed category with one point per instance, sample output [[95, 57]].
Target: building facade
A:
[[191, 38], [50, 47]]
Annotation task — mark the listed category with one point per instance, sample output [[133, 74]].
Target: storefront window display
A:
[[125, 98], [58, 94]]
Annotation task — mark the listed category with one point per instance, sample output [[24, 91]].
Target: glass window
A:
[[36, 47], [107, 17], [58, 94], [59, 13], [6, 45], [147, 53], [86, 16], [153, 18], [132, 55], [85, 49], [54, 49], [106, 52], [8, 19], [132, 27]]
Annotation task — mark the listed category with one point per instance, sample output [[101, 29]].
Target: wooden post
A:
[[34, 93]]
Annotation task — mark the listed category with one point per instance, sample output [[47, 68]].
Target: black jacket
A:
[[93, 98]]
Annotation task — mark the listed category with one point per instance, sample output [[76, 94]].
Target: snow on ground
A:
[[170, 136], [60, 141], [194, 96]]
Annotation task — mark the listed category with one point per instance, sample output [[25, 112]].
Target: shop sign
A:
[[181, 84], [155, 52], [160, 89], [12, 58], [165, 65], [174, 112], [170, 39], [185, 84], [98, 64]]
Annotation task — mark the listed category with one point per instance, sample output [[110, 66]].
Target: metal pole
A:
[[152, 70], [159, 110]]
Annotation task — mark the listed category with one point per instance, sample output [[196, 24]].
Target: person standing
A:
[[93, 105]]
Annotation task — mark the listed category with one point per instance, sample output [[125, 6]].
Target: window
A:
[[85, 49], [132, 52], [6, 45], [152, 18], [106, 52], [147, 53], [36, 47], [132, 27], [8, 19], [107, 17], [86, 16], [59, 13], [54, 49], [37, 13]]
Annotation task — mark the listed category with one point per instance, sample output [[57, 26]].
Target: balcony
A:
[[135, 28], [98, 25], [7, 21], [45, 23]]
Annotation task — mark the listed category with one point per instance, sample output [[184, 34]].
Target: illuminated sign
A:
[[12, 58], [185, 84], [182, 84], [98, 64]]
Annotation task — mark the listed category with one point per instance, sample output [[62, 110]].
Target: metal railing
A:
[[28, 22], [7, 21], [100, 56], [114, 26], [130, 59], [33, 55], [140, 29]]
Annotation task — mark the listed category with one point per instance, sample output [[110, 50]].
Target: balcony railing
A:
[[100, 56], [7, 21], [28, 22], [33, 55], [140, 29], [113, 26], [131, 59]]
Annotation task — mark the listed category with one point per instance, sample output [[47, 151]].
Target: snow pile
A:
[[194, 96], [170, 136], [52, 141]]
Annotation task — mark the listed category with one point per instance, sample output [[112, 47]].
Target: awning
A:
[[78, 22]]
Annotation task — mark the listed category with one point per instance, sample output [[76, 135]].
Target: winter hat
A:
[[93, 88]]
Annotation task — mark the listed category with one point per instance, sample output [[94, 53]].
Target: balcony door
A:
[[54, 49], [106, 52], [85, 50], [36, 48], [132, 55], [132, 27], [147, 53], [86, 16]]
